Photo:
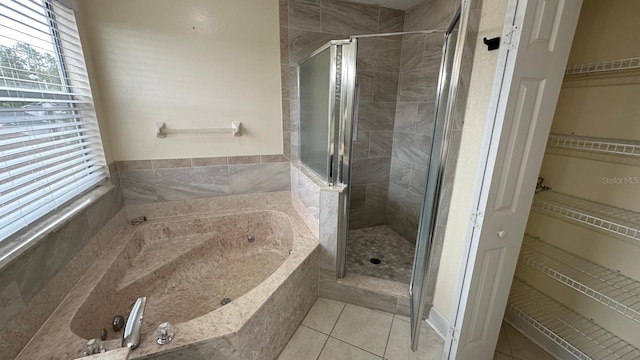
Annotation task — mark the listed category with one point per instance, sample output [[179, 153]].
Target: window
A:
[[50, 147]]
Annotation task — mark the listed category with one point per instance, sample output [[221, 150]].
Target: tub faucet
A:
[[131, 338]]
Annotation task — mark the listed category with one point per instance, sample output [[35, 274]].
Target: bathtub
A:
[[252, 249]]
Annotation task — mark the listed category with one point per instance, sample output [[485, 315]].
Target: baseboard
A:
[[438, 322]]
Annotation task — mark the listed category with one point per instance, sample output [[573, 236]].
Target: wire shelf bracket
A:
[[599, 145], [580, 337], [611, 219], [162, 131], [608, 287], [604, 66]]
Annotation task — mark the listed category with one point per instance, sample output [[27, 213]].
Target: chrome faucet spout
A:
[[131, 338]]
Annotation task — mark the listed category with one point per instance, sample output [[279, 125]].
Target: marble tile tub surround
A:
[[150, 181], [317, 204], [33, 286], [243, 329]]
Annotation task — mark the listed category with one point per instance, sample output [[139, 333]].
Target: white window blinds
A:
[[50, 147]]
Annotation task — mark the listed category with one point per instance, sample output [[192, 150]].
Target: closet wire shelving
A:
[[600, 216], [608, 287], [582, 338], [599, 145], [603, 66]]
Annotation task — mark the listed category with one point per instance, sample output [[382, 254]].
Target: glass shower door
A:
[[435, 172]]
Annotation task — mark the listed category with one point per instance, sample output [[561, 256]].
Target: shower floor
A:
[[380, 242]]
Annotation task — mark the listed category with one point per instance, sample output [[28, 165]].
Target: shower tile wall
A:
[[305, 25], [378, 66], [414, 117]]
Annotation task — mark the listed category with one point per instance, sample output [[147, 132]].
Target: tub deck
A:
[[185, 266]]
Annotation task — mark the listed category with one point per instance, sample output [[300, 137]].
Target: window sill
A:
[[16, 245]]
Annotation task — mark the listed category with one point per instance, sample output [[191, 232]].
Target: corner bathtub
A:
[[262, 257]]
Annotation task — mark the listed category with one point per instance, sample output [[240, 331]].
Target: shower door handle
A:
[[356, 105]]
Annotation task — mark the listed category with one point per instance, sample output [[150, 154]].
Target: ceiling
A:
[[393, 4]]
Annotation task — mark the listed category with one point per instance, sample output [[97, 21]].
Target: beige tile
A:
[[352, 294], [234, 160], [305, 344], [404, 307], [170, 163], [210, 161], [272, 158], [134, 165], [364, 328], [399, 346], [336, 349], [523, 348], [499, 356], [503, 342], [323, 315]]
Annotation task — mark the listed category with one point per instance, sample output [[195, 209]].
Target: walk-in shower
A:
[[373, 118]]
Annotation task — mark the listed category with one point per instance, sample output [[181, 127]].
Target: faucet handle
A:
[[165, 333], [93, 346]]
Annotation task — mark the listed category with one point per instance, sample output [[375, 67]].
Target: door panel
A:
[[524, 98], [492, 262]]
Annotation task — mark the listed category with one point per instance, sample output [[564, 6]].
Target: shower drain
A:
[[225, 301], [375, 261]]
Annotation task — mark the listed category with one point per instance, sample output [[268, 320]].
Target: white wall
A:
[[190, 64], [95, 87], [484, 67]]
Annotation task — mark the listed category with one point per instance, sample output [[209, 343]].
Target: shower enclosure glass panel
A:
[[326, 87], [315, 110]]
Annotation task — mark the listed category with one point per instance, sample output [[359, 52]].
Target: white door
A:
[[533, 55]]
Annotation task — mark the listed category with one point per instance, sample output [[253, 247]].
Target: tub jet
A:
[[225, 301]]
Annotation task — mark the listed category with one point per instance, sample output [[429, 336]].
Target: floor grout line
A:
[[344, 306], [384, 353], [323, 346], [357, 347]]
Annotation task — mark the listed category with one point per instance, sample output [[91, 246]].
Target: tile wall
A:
[[378, 65], [308, 24], [415, 114], [305, 25], [35, 283], [149, 181]]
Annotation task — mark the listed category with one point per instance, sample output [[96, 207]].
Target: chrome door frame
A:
[[348, 114], [435, 174], [338, 98]]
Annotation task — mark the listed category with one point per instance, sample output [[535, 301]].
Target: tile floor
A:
[[394, 251], [512, 345], [334, 330]]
